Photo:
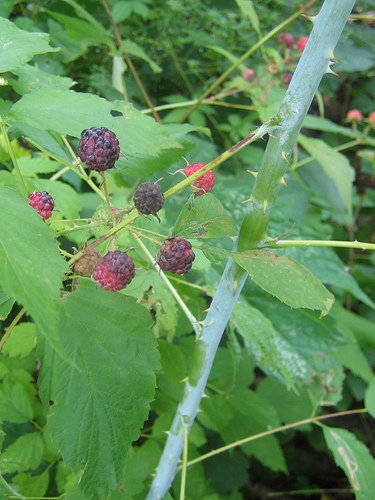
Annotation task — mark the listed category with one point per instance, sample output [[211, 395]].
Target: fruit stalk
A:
[[314, 62]]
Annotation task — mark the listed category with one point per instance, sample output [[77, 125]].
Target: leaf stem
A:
[[11, 326], [270, 432], [272, 243]]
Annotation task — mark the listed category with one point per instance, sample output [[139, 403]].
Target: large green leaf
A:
[[69, 113], [19, 46], [335, 166], [285, 279], [354, 459], [204, 216], [98, 408], [31, 267]]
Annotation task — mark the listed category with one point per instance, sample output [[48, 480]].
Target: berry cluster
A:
[[99, 149]]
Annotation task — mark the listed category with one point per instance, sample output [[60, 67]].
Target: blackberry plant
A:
[[100, 356]]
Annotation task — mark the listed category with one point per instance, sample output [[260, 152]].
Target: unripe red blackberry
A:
[[248, 74], [43, 203], [98, 148], [371, 119], [301, 44], [354, 115], [85, 265], [149, 199], [286, 38], [175, 255], [205, 183], [114, 272]]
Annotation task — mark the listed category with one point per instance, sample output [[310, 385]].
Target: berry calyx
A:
[[43, 203], [371, 119], [175, 255], [98, 148], [286, 39], [114, 272], [149, 199], [354, 115], [301, 44], [86, 264], [205, 183], [248, 74]]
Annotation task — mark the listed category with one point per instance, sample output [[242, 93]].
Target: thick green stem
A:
[[314, 62]]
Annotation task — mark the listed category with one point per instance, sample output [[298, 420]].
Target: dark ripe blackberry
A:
[[98, 148], [86, 264], [149, 199], [114, 272], [175, 255]]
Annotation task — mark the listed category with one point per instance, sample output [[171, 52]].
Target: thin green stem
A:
[[194, 322], [272, 243], [184, 461], [11, 326], [270, 432], [13, 158], [245, 56]]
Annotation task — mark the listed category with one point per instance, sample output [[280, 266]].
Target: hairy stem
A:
[[314, 62]]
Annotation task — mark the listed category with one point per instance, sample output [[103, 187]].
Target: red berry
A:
[[354, 115], [248, 74], [301, 44], [98, 148], [114, 272], [285, 38], [287, 77], [371, 119], [43, 203], [175, 255], [205, 183]]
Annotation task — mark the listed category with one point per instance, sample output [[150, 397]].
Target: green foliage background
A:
[[90, 380]]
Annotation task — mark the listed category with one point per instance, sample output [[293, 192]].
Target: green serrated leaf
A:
[[32, 486], [335, 165], [109, 337], [283, 278], [370, 398], [204, 217], [23, 454], [31, 267], [68, 113], [6, 304], [19, 46], [354, 459], [15, 405], [31, 78], [6, 490], [317, 123], [22, 340]]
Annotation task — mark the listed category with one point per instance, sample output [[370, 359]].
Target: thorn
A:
[[252, 173], [282, 181], [206, 396], [283, 155], [330, 72], [183, 380], [200, 411], [265, 203], [310, 18], [332, 57], [249, 200]]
